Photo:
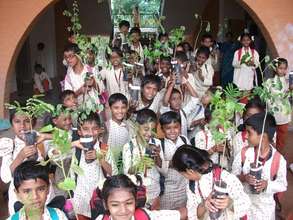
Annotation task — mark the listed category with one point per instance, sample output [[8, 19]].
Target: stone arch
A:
[[18, 17]]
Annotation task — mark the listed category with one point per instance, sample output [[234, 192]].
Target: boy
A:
[[203, 76], [145, 145], [174, 193], [42, 81], [118, 130], [135, 34], [68, 99], [96, 162], [273, 173], [164, 69], [123, 29], [31, 182]]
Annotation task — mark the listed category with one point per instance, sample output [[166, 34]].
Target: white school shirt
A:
[[139, 50], [241, 202], [282, 117], [45, 216], [263, 204], [156, 103], [87, 183], [156, 215], [14, 147], [204, 140], [213, 61], [207, 72], [239, 141], [174, 196], [243, 74], [114, 81], [74, 81], [38, 79], [152, 187]]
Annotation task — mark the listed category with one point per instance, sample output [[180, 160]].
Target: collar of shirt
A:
[[45, 216], [178, 142], [122, 124]]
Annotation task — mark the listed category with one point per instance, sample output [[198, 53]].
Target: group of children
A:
[[161, 134]]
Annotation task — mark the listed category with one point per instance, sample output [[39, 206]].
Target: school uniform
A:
[[282, 117], [174, 195], [155, 215], [139, 50], [42, 82], [239, 141], [204, 140], [201, 86], [133, 152], [115, 81], [263, 204], [74, 81], [14, 146], [49, 214], [87, 183], [243, 74], [155, 104], [203, 188]]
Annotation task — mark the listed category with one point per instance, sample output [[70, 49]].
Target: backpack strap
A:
[[217, 173], [141, 214], [106, 217], [183, 139], [252, 52], [275, 165], [243, 157], [15, 216], [163, 144], [192, 141], [53, 213], [239, 54]]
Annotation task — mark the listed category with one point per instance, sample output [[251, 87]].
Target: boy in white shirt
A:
[[41, 79], [135, 34], [203, 76], [174, 193]]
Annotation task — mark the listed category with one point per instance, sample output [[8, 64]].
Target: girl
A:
[[245, 61], [195, 165], [17, 152], [282, 117], [119, 198], [116, 81]]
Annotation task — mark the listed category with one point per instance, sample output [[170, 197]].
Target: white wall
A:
[[44, 31]]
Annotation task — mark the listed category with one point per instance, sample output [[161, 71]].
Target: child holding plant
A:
[[194, 164], [203, 75], [31, 183], [282, 116], [269, 176], [245, 61], [174, 193], [21, 148], [96, 162], [135, 34], [143, 156]]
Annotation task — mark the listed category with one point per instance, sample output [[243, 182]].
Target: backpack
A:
[[97, 206], [274, 166], [139, 214], [162, 177], [52, 212]]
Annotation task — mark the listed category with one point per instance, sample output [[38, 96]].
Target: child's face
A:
[[207, 42], [71, 58], [149, 91], [206, 99], [115, 59], [33, 193], [249, 112], [281, 69], [70, 102], [147, 130], [245, 41], [253, 136], [175, 101], [90, 57], [38, 70], [63, 121], [135, 37], [20, 124], [124, 29], [201, 58], [165, 66], [172, 130], [118, 110], [121, 204], [89, 128], [164, 39]]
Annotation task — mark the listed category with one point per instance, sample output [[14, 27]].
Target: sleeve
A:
[[236, 143], [236, 166], [256, 59], [236, 62], [190, 106], [38, 83], [192, 203], [241, 201], [126, 158], [280, 183], [163, 214], [67, 82], [110, 159], [7, 160], [164, 109], [103, 74], [208, 73]]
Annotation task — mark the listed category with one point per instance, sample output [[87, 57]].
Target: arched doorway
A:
[[14, 29]]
